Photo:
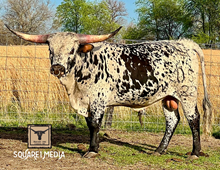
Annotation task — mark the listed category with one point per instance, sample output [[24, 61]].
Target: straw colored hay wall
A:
[[25, 79]]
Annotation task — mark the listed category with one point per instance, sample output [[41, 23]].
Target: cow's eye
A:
[[72, 51]]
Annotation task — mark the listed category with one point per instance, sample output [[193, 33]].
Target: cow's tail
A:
[[207, 107]]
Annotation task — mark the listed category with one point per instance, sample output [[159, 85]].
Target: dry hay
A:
[[212, 68], [25, 79]]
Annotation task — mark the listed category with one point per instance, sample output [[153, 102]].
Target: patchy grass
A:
[[124, 151], [124, 120], [175, 158], [125, 155], [121, 150]]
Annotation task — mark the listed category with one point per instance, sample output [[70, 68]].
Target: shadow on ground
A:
[[60, 136]]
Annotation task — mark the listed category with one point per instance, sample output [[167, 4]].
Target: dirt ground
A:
[[17, 141]]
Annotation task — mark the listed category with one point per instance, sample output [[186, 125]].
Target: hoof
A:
[[90, 155], [192, 157], [156, 154]]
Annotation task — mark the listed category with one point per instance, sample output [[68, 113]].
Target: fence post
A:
[[108, 120]]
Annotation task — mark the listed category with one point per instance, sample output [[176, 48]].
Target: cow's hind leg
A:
[[172, 120], [193, 117], [94, 126]]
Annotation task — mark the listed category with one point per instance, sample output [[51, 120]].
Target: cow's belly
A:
[[133, 104], [136, 99]]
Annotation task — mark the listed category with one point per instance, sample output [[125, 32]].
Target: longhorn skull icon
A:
[[39, 133]]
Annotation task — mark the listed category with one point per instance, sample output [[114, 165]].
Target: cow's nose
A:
[[57, 70]]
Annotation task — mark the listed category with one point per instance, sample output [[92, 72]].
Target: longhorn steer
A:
[[102, 74]]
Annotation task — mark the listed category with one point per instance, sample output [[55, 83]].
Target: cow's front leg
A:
[[94, 126]]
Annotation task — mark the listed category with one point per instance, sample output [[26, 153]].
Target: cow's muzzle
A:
[[57, 70]]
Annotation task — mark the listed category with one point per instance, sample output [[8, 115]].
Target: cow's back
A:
[[142, 74]]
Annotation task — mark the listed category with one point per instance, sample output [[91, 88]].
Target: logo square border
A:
[[49, 136]]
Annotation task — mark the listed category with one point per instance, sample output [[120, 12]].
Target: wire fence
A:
[[29, 94]]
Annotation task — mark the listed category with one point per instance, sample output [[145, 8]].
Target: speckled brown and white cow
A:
[[99, 74]]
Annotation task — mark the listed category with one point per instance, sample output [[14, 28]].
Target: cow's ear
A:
[[85, 48]]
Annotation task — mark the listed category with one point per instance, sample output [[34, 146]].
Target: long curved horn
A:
[[83, 39], [32, 38]]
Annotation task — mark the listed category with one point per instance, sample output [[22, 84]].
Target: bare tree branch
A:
[[28, 15], [117, 10]]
